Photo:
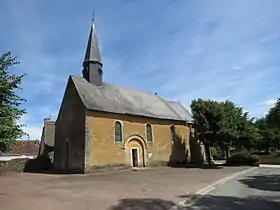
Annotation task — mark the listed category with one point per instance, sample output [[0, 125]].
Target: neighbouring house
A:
[[22, 149], [102, 125], [47, 139]]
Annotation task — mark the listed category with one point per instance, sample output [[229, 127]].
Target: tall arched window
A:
[[149, 132], [118, 131]]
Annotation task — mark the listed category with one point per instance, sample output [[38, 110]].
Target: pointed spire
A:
[[92, 51], [92, 70]]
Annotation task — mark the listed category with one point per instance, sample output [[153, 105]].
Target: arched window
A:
[[173, 132], [118, 131], [149, 132]]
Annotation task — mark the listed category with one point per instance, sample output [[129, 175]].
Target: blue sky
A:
[[180, 49]]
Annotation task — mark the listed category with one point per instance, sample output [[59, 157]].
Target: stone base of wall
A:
[[167, 163], [101, 168], [114, 167], [156, 163], [178, 163], [15, 165]]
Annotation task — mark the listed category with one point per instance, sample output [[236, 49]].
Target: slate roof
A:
[[180, 110], [117, 99], [92, 51]]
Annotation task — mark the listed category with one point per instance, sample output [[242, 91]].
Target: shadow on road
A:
[[207, 202], [210, 202], [143, 204], [263, 182]]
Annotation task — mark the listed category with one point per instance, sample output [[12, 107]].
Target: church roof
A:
[[180, 110], [117, 99]]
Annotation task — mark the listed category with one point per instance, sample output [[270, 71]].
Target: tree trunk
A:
[[266, 151], [227, 153], [208, 154]]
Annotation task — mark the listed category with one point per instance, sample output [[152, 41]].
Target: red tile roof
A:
[[25, 147]]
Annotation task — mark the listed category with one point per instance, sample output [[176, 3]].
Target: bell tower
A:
[[92, 64]]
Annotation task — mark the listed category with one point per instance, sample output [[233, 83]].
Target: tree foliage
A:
[[10, 102], [273, 116], [270, 134], [207, 121], [223, 124]]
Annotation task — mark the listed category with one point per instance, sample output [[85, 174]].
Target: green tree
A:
[[273, 116], [207, 117], [10, 102], [238, 130], [230, 124], [273, 123], [249, 135], [222, 124], [270, 136]]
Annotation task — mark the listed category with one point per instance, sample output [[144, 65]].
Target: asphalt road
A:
[[257, 190]]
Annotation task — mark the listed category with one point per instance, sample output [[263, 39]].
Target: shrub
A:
[[213, 152], [243, 159], [253, 160]]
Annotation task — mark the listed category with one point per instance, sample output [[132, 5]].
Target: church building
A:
[[102, 125]]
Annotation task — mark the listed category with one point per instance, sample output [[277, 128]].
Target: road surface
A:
[[258, 189]]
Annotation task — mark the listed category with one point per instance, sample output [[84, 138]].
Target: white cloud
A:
[[270, 103], [34, 121], [34, 131]]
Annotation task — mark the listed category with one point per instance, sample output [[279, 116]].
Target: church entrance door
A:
[[134, 154]]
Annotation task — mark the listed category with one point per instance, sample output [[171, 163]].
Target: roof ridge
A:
[[133, 89], [125, 87]]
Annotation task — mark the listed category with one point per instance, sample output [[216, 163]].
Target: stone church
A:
[[102, 125]]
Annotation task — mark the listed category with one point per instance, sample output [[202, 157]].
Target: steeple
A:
[[92, 64]]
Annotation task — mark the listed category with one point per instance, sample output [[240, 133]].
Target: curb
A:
[[269, 166], [202, 192]]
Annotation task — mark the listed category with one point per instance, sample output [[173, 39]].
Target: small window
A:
[[118, 131], [149, 132]]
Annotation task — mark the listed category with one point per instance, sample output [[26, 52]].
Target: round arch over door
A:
[[135, 147]]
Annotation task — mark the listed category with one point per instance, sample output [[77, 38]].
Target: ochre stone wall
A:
[[103, 150]]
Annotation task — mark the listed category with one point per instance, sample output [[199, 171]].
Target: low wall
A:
[[270, 159], [15, 165]]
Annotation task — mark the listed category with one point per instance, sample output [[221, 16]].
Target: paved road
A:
[[258, 189], [148, 189]]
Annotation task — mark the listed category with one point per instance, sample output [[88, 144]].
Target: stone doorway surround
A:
[[136, 142]]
